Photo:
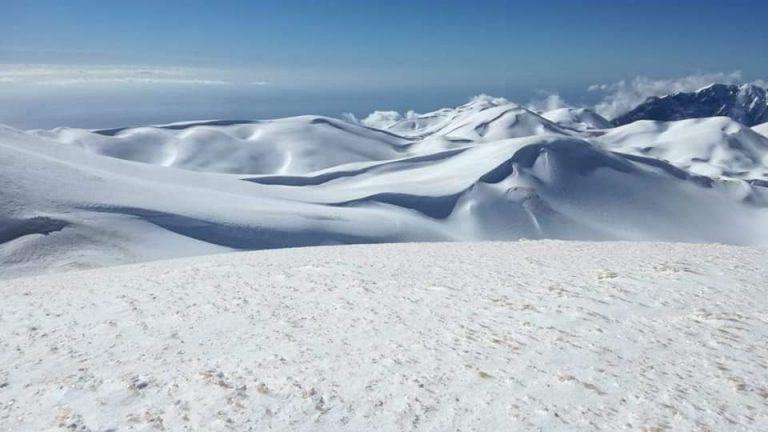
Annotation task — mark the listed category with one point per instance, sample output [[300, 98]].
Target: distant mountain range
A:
[[746, 103]]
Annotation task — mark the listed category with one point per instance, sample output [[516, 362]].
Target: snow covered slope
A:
[[67, 208], [285, 146], [299, 145], [484, 117], [747, 104], [486, 170], [761, 129], [419, 125], [556, 336], [581, 119], [716, 146]]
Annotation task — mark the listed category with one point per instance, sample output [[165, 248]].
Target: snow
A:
[[486, 170], [714, 147], [581, 119], [746, 103], [544, 335], [595, 333], [284, 146], [761, 129], [444, 120]]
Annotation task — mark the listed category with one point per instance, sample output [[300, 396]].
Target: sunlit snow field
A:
[[534, 335]]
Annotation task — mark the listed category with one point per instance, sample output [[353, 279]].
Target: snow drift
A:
[[286, 146]]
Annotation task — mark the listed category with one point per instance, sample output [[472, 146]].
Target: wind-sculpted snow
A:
[[486, 170], [545, 335], [286, 146], [714, 147]]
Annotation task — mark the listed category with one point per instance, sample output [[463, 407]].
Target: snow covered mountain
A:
[[486, 170], [581, 119], [484, 117], [713, 147], [284, 146], [486, 336], [747, 104]]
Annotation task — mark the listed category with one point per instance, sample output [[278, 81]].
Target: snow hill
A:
[[546, 335], [486, 170], [484, 117], [284, 146], [581, 119], [714, 147], [747, 104]]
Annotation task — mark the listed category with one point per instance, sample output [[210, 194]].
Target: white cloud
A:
[[547, 103], [126, 80], [74, 75], [623, 96], [350, 118], [383, 119], [493, 100]]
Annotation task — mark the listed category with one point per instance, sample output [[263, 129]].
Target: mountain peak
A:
[[745, 103], [486, 101]]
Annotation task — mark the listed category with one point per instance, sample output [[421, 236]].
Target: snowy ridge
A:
[[486, 170], [419, 125], [746, 103], [545, 335], [285, 146], [581, 119], [714, 147]]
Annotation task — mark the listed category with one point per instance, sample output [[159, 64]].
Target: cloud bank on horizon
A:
[[96, 87], [66, 75], [614, 98]]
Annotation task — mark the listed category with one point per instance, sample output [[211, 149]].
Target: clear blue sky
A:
[[497, 46]]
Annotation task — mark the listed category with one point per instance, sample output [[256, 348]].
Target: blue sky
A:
[[435, 51]]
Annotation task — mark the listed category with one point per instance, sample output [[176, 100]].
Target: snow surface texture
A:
[[544, 335], [486, 170]]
